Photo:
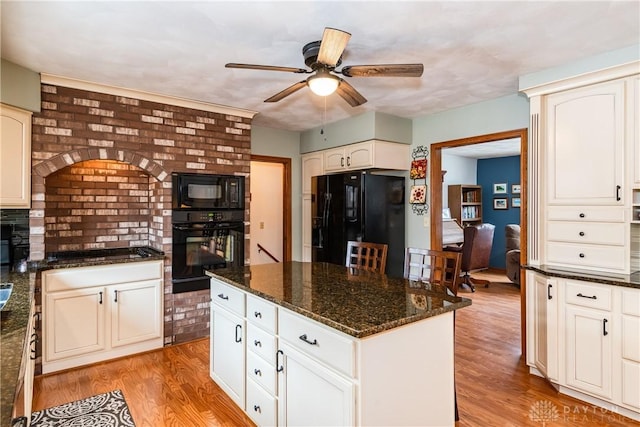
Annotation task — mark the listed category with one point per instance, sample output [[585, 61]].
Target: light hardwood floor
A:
[[171, 387]]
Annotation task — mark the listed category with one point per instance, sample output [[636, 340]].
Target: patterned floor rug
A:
[[104, 410]]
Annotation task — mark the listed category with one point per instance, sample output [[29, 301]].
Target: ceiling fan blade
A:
[[332, 45], [267, 68], [383, 70], [288, 91], [350, 94]]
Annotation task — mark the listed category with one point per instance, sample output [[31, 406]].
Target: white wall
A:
[[460, 170], [497, 115], [282, 143], [266, 212]]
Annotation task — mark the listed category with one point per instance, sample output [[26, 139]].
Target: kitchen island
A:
[[320, 344]]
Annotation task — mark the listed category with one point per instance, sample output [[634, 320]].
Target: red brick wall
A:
[[116, 144]]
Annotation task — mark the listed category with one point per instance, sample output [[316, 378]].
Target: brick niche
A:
[[101, 178]]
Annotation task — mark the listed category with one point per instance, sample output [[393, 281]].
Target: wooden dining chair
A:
[[367, 256], [429, 265]]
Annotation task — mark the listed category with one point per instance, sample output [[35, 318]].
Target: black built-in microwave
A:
[[206, 191]]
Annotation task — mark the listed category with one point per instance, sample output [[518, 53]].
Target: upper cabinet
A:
[[585, 133], [366, 155], [15, 157]]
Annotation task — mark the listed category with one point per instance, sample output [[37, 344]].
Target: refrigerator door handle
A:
[[327, 209]]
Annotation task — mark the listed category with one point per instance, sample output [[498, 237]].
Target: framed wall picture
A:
[[500, 188], [515, 188], [515, 202], [500, 203]]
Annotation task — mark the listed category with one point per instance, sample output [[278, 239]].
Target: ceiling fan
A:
[[323, 56]]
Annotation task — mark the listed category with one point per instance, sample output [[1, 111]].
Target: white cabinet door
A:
[[312, 165], [228, 353], [360, 156], [136, 313], [588, 350], [311, 394], [15, 157], [74, 323], [633, 117], [586, 129], [335, 160], [545, 306]]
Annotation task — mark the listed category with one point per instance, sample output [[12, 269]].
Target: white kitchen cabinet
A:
[[74, 324], [586, 129], [366, 155], [98, 313], [543, 324], [312, 394], [633, 114], [228, 353], [135, 310], [312, 165], [15, 157], [630, 322], [302, 372], [589, 345], [228, 332]]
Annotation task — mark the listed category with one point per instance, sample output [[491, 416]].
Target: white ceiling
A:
[[472, 51], [486, 150]]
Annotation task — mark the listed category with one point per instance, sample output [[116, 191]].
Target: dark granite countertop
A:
[[14, 318], [355, 302], [625, 280], [15, 315]]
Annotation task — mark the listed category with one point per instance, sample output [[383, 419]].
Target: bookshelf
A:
[[465, 204]]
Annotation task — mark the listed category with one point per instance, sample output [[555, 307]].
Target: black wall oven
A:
[[204, 240], [208, 227]]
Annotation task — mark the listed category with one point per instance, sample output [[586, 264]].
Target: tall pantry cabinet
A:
[[584, 216]]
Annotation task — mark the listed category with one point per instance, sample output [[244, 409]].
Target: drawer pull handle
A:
[[348, 160], [581, 255], [304, 338], [604, 327], [257, 343], [238, 337], [587, 296], [32, 346], [257, 409], [342, 161], [549, 286], [581, 234], [100, 296], [257, 314], [258, 372], [280, 367], [115, 298], [581, 215], [618, 188], [223, 296]]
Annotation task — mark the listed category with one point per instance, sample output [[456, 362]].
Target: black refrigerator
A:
[[358, 206]]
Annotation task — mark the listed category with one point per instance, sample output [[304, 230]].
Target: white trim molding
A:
[[145, 96]]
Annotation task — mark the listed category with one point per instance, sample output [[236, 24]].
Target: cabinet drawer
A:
[[88, 277], [631, 302], [317, 341], [587, 295], [261, 406], [228, 297], [261, 313], [262, 343], [262, 372], [587, 256], [598, 233], [586, 213], [630, 384]]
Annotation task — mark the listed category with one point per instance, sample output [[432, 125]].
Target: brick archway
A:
[[70, 158]]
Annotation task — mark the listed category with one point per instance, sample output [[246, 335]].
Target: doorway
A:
[[436, 201], [270, 209]]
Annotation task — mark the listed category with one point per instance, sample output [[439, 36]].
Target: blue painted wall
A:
[[493, 171]]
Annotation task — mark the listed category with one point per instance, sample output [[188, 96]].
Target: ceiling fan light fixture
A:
[[323, 83]]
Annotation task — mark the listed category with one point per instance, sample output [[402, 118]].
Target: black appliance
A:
[[358, 206], [204, 240], [206, 191]]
